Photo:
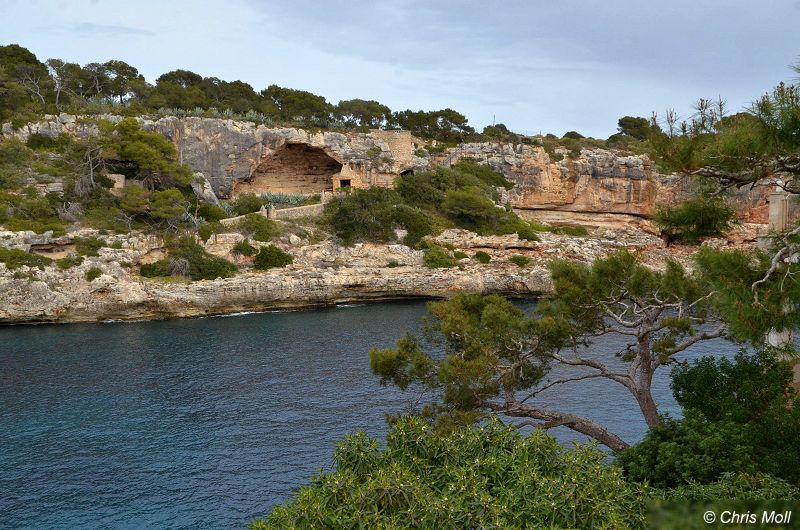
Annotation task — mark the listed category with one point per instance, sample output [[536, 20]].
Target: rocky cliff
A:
[[600, 187]]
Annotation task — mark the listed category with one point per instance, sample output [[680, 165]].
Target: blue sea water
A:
[[210, 422]]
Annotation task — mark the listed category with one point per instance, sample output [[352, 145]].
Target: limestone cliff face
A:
[[232, 154], [599, 187]]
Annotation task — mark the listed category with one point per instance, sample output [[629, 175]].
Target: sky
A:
[[538, 66]]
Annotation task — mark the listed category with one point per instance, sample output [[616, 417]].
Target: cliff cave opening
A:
[[293, 168]]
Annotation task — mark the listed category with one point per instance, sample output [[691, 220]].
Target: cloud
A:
[[90, 29]]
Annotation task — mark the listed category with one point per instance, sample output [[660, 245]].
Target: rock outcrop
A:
[[599, 187], [323, 273]]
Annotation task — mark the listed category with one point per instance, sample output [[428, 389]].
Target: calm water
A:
[[207, 422]]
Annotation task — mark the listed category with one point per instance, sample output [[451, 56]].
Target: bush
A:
[[739, 417], [93, 273], [244, 248], [527, 232], [459, 255], [482, 257], [88, 246], [486, 476], [392, 264], [210, 212], [519, 261], [437, 257], [270, 257], [69, 261], [207, 230], [695, 219], [15, 258], [247, 203], [258, 227], [363, 214], [202, 266]]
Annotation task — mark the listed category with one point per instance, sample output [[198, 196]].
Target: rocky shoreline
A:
[[322, 274]]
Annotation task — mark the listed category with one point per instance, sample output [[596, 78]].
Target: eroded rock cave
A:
[[293, 168]]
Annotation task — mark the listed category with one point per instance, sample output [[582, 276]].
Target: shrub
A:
[[15, 258], [695, 219], [69, 261], [211, 212], [270, 257], [392, 264], [363, 214], [258, 227], [487, 476], [207, 230], [459, 255], [482, 257], [247, 203], [739, 417], [526, 231], [244, 248], [202, 266], [88, 246], [519, 261], [437, 257], [93, 273]]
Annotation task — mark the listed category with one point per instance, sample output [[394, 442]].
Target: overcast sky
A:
[[535, 65]]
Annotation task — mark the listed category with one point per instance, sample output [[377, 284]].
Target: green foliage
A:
[[695, 219], [135, 199], [271, 257], [201, 265], [484, 477], [60, 143], [519, 261], [244, 248], [168, 205], [482, 257], [479, 334], [258, 227], [246, 203], [363, 215], [68, 262], [393, 264], [153, 157], [93, 273], [573, 135], [740, 417], [459, 255], [635, 127], [438, 257], [15, 258], [207, 230], [732, 274], [423, 204], [88, 246], [210, 212]]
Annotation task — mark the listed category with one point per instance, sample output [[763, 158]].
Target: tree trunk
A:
[[647, 404], [572, 421]]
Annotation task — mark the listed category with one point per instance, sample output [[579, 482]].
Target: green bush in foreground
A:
[[490, 476], [244, 248], [482, 477], [271, 257]]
